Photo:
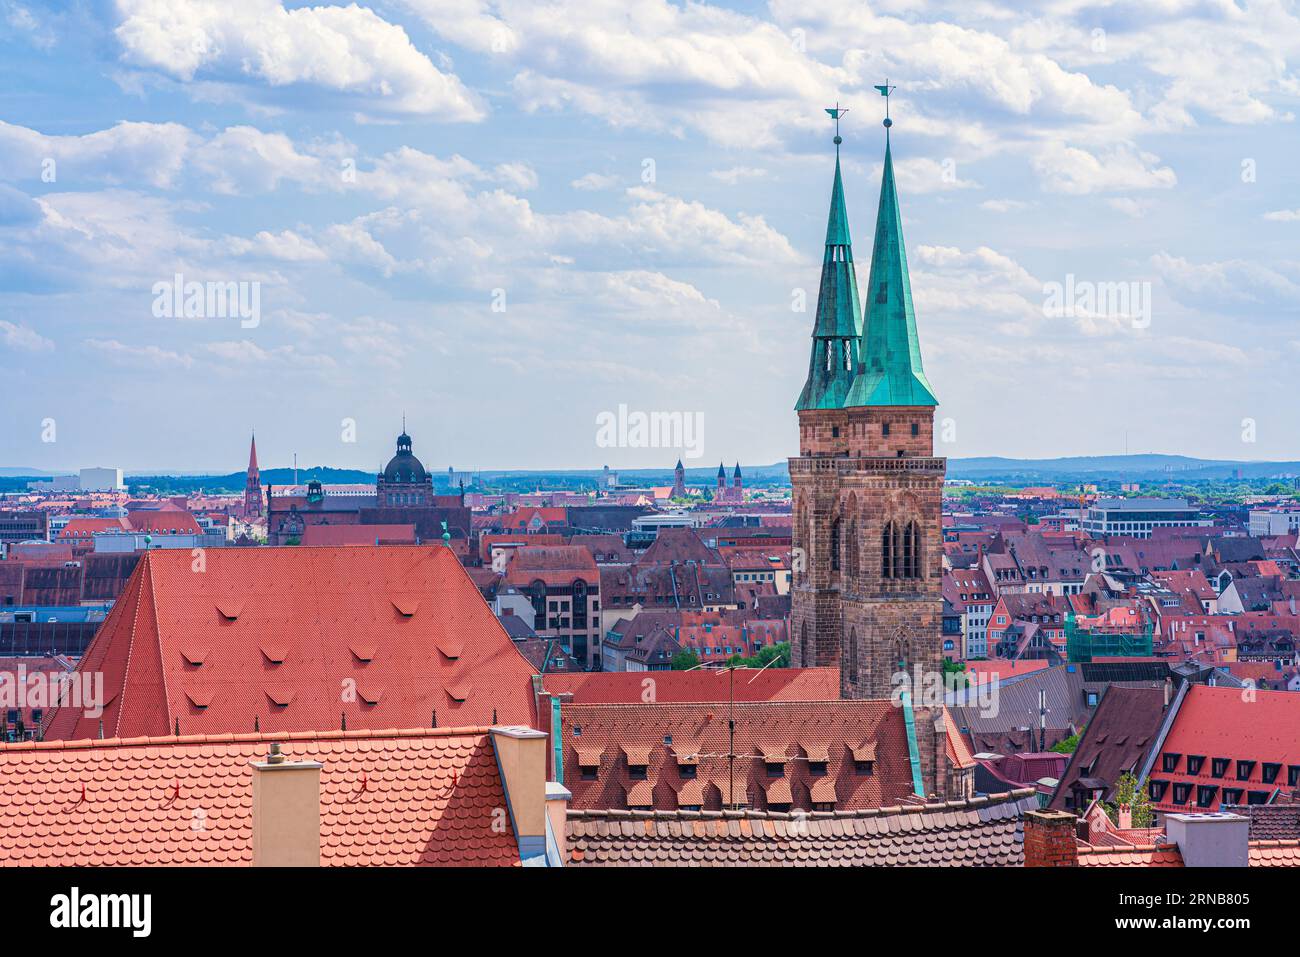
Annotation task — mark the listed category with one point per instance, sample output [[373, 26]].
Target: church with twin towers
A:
[[867, 484]]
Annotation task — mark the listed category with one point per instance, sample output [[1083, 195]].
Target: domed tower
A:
[[404, 482]]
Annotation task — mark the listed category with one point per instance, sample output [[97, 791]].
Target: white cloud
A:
[[286, 246], [1004, 205], [23, 337], [592, 182], [1069, 169], [1136, 208], [350, 50], [735, 174], [132, 154], [146, 356], [1283, 215]]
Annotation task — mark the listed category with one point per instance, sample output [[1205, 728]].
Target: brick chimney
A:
[[1125, 814], [286, 811], [1050, 839]]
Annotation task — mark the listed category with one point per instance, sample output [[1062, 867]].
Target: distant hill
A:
[[1147, 469], [1133, 468]]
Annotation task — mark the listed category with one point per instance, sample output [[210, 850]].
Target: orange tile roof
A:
[[1166, 855], [958, 751], [1275, 853], [345, 623], [391, 798]]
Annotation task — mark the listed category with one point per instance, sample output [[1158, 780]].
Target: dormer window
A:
[[1194, 762], [1245, 769], [1269, 771], [1219, 767], [1169, 762]]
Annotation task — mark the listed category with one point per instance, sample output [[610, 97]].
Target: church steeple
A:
[[838, 329], [253, 484], [891, 372]]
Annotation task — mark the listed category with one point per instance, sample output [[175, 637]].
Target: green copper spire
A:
[[891, 372], [838, 329]]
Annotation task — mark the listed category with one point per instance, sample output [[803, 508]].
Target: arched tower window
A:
[[887, 550], [835, 545], [853, 656], [900, 550], [852, 547], [912, 550], [805, 649]]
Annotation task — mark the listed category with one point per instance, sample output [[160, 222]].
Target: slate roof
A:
[[980, 832], [390, 798], [1122, 730], [1271, 822]]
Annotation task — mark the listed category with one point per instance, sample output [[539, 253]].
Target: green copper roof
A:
[[837, 224], [838, 331], [891, 372]]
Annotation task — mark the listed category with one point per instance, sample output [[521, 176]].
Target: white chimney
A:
[[1216, 839]]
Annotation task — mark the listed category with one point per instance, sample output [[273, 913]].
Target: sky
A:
[[509, 220]]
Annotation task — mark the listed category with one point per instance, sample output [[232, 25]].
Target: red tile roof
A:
[[296, 637], [391, 798], [358, 535], [629, 687], [1231, 723], [164, 521], [551, 564], [83, 528], [806, 731]]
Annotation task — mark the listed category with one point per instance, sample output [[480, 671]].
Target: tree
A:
[[766, 655], [959, 677], [1133, 793], [1066, 745], [685, 660]]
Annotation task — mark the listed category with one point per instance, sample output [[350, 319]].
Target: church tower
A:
[[253, 484], [679, 480], [867, 485]]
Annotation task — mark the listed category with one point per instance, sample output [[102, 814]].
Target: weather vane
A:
[[835, 112], [885, 91]]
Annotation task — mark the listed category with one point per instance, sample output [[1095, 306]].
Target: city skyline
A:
[[486, 222]]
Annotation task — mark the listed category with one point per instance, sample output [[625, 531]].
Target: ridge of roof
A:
[[896, 810], [90, 744]]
